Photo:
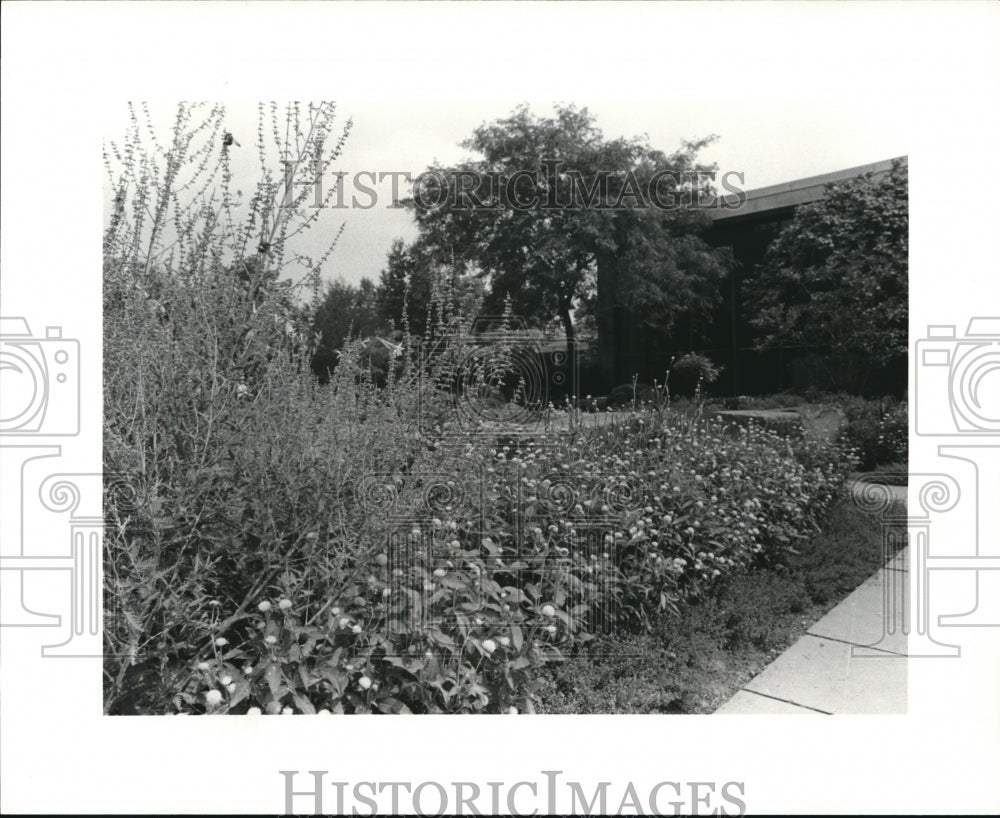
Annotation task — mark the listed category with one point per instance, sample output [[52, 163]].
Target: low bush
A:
[[293, 563], [630, 395], [877, 429], [696, 660], [692, 373], [894, 435]]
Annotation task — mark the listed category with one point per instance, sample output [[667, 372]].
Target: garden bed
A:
[[448, 584], [695, 661], [279, 545]]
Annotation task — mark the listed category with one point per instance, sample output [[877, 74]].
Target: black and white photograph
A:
[[584, 444], [617, 390]]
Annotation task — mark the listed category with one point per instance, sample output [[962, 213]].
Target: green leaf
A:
[[389, 704], [238, 695], [273, 677], [304, 704]]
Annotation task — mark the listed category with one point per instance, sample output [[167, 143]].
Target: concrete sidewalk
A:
[[852, 661]]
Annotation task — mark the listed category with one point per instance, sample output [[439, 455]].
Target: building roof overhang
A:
[[778, 201]]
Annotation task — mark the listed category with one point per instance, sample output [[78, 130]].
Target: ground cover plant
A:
[[694, 662], [378, 542]]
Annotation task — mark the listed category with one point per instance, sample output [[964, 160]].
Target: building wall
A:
[[727, 337]]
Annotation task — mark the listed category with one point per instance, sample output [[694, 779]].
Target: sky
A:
[[768, 141]]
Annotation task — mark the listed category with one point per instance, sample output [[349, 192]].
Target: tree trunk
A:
[[607, 275], [571, 361]]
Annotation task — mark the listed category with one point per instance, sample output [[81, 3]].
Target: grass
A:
[[695, 661]]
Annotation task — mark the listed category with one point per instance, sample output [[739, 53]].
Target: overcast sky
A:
[[770, 142]]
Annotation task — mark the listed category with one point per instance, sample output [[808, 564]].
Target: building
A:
[[729, 340]]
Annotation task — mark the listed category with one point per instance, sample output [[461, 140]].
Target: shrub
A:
[[877, 429], [893, 435], [615, 530], [692, 373], [696, 660], [630, 395]]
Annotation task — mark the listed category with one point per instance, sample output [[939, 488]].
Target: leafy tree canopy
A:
[[835, 279], [591, 217], [346, 311], [416, 289]]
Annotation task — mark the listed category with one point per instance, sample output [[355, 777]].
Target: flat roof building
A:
[[729, 338]]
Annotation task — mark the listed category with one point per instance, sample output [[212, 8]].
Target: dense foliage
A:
[[605, 246], [696, 661], [294, 562], [346, 312], [835, 281]]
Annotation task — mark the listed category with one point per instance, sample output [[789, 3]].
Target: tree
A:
[[835, 281], [428, 287], [591, 235], [403, 289], [347, 311]]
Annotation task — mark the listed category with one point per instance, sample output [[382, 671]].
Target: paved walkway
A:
[[852, 661]]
